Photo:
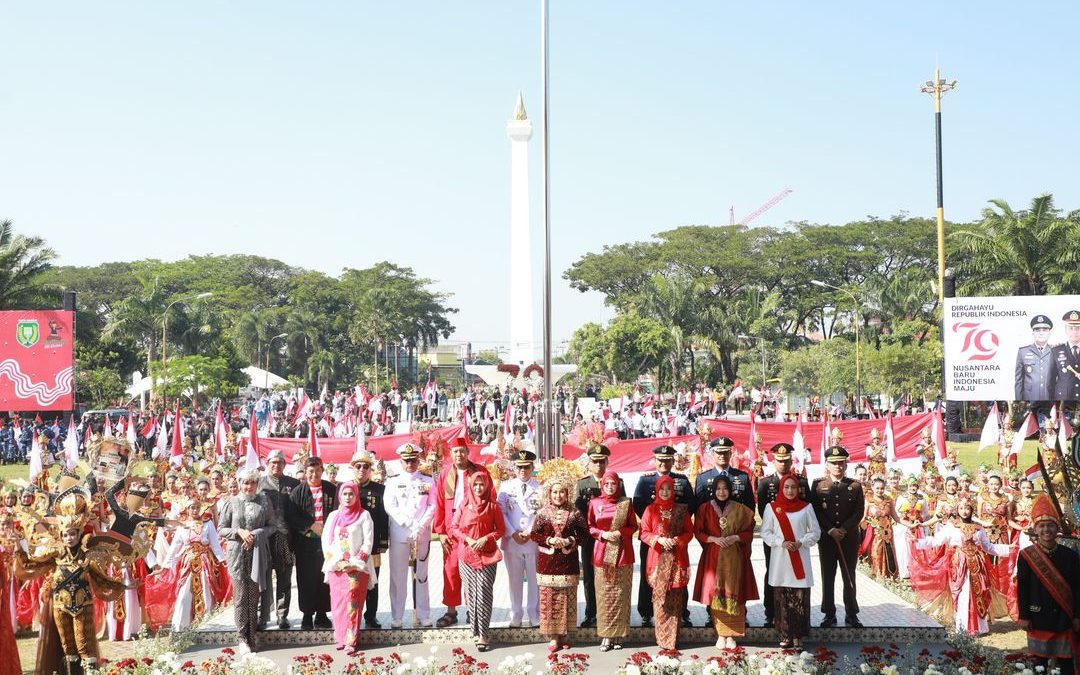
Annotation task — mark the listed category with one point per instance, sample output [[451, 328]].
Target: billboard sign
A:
[[36, 360], [1015, 348]]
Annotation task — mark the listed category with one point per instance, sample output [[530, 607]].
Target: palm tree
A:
[[321, 368], [138, 317], [251, 332], [305, 336], [1029, 252], [23, 261]]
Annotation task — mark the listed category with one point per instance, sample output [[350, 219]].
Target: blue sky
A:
[[338, 134]]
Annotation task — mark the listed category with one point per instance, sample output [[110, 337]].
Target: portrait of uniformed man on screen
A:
[[1034, 365]]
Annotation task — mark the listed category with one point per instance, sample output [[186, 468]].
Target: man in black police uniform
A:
[[1066, 358], [587, 488], [740, 480], [768, 490], [644, 493], [838, 504], [372, 497], [1034, 377]]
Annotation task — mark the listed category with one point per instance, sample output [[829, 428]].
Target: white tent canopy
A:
[[259, 379]]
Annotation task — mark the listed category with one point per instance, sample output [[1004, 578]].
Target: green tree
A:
[[24, 262], [199, 378], [588, 349], [636, 345], [1029, 252]]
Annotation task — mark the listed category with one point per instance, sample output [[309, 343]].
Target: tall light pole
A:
[[938, 88], [858, 320], [550, 434], [164, 329], [266, 371], [761, 342]]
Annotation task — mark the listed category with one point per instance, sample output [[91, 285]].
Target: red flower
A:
[[229, 651], [188, 664]]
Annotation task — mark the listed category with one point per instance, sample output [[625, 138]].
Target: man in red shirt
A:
[[449, 492]]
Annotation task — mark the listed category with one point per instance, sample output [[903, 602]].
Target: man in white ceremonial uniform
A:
[[519, 499], [411, 507]]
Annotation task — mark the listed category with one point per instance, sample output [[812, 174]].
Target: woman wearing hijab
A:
[[347, 564], [558, 530], [789, 529], [477, 525], [667, 528], [612, 523], [246, 523], [725, 580]]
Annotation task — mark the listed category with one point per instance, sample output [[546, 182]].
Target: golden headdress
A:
[[72, 510]]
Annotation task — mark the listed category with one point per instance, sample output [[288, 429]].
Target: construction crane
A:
[[761, 209]]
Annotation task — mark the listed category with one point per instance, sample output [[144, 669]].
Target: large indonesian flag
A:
[[36, 371]]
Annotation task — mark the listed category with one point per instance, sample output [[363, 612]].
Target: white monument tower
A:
[[522, 338]]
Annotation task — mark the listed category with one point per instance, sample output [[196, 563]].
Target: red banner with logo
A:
[[36, 360]]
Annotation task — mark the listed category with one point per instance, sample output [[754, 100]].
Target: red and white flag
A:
[[108, 431], [991, 430], [176, 455], [313, 438], [671, 427], [149, 428], [1033, 472], [466, 417], [251, 457], [939, 439], [1029, 427], [508, 419], [221, 435], [325, 390], [129, 431], [303, 407], [826, 432], [1064, 434], [161, 448], [71, 445], [890, 440], [798, 441]]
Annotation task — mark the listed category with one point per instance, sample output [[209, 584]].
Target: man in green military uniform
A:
[[372, 498], [838, 504], [644, 494], [587, 488], [768, 490]]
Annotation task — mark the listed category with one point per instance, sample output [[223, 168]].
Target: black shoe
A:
[[306, 624], [646, 622], [768, 623], [283, 624], [322, 622], [372, 623], [853, 622], [687, 623], [829, 622], [262, 625], [589, 622]]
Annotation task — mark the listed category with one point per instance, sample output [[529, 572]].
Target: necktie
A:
[[1076, 351], [523, 486]]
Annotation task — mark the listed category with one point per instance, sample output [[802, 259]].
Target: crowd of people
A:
[[170, 541], [199, 540]]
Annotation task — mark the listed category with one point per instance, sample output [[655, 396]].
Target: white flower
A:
[[865, 668], [633, 670]]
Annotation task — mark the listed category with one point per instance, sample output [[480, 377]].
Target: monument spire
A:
[[519, 109]]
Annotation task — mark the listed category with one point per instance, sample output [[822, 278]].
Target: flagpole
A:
[[550, 434]]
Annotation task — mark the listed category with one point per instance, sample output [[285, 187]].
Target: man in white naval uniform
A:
[[411, 507], [519, 499]]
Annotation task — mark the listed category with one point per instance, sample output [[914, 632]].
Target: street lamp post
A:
[[164, 329], [858, 320], [266, 371], [937, 88]]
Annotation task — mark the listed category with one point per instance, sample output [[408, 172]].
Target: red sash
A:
[[1043, 567], [789, 535]]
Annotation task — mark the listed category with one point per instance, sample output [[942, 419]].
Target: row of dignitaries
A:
[[412, 506], [836, 499]]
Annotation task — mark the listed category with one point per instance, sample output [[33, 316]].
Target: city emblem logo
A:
[[27, 332], [980, 344]]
